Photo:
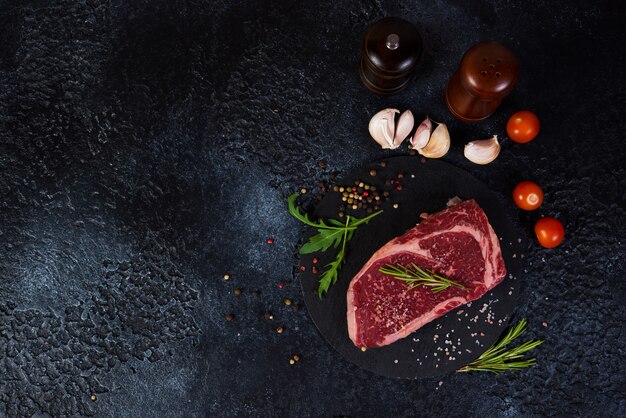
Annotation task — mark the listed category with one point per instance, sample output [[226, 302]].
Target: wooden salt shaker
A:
[[390, 51], [487, 74]]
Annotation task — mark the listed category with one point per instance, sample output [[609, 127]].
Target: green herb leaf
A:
[[415, 276], [331, 233], [498, 358], [323, 240]]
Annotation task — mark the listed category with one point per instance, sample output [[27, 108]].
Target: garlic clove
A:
[[422, 134], [404, 128], [438, 144], [382, 127], [482, 151]]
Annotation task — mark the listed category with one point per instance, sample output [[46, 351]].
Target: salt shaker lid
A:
[[392, 45], [489, 70]]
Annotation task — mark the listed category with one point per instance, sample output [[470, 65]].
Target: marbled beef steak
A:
[[457, 243]]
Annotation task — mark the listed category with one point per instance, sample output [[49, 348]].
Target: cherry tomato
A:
[[523, 126], [549, 231], [528, 195]]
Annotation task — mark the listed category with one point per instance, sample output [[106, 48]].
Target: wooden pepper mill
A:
[[487, 74], [390, 51]]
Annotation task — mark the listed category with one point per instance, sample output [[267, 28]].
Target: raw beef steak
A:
[[457, 243]]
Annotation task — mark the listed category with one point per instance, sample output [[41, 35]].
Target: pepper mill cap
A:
[[392, 46], [489, 71]]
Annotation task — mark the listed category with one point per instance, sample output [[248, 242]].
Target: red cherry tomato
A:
[[528, 195], [549, 231], [523, 126]]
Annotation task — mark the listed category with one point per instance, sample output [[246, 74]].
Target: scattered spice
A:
[[373, 172], [399, 187], [93, 397], [268, 315], [280, 285], [292, 361], [270, 241], [314, 270], [315, 260], [363, 349], [302, 268], [279, 330], [395, 206], [254, 293], [545, 324], [226, 277], [229, 317], [237, 292], [287, 301], [296, 357], [400, 175], [424, 215], [303, 190]]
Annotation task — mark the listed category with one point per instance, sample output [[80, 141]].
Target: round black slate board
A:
[[449, 342]]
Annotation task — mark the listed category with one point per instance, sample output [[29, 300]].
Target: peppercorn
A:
[[296, 357], [269, 315], [372, 172], [254, 293], [303, 190], [229, 317], [382, 164], [399, 187], [287, 301], [226, 277], [292, 361], [400, 175], [279, 330], [395, 206], [314, 270], [237, 292], [341, 189], [93, 397]]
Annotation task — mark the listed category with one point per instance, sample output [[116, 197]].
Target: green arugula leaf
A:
[[322, 241], [331, 233]]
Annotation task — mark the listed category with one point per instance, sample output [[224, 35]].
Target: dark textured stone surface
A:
[[146, 149]]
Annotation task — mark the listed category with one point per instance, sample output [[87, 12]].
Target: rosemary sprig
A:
[[498, 358], [415, 276], [331, 233]]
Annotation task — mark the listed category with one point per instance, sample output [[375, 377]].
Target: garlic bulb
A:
[[438, 144], [482, 151], [383, 129], [422, 134]]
